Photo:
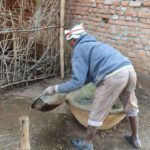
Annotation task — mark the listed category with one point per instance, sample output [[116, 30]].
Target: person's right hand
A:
[[49, 91]]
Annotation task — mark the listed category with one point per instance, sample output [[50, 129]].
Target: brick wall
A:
[[122, 24]]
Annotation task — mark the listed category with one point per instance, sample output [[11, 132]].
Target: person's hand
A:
[[49, 91]]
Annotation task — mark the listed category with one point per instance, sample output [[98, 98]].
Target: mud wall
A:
[[26, 7], [124, 24]]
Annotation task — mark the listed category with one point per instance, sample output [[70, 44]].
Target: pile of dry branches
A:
[[29, 45]]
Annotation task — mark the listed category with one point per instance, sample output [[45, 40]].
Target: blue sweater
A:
[[91, 62]]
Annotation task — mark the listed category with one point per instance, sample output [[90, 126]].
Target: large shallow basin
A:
[[79, 103]]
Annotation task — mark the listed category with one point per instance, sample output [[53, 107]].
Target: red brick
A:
[[104, 16], [112, 7], [144, 14], [132, 24], [104, 11], [146, 4], [128, 18], [96, 19], [124, 3], [142, 20], [90, 10], [139, 46], [108, 2], [119, 32], [120, 22], [147, 21], [112, 11], [116, 3], [135, 19], [101, 6], [122, 17], [106, 6], [132, 34], [135, 3], [94, 24], [86, 4], [120, 12], [145, 26], [92, 1], [84, 8], [135, 39], [84, 17], [111, 21], [95, 10], [131, 12], [117, 8], [132, 54], [143, 31], [145, 36], [142, 53], [144, 41], [98, 1]]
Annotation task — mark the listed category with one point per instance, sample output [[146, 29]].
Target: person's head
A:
[[74, 34]]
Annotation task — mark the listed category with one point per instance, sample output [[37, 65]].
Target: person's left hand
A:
[[49, 91]]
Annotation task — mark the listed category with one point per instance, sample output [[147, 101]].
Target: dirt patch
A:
[[54, 130]]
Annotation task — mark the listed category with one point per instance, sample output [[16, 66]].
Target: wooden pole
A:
[[24, 127], [62, 16]]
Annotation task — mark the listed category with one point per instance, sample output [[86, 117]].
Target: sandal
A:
[[80, 144], [136, 143]]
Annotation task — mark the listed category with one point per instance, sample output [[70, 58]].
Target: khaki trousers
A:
[[122, 85]]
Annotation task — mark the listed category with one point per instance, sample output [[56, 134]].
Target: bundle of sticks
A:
[[29, 44]]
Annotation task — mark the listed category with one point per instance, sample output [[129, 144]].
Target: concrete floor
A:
[[54, 130]]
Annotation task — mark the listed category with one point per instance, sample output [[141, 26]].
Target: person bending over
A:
[[113, 75]]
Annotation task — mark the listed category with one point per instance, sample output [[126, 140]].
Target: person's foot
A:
[[80, 144], [136, 143]]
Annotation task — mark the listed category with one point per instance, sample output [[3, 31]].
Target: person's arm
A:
[[80, 66]]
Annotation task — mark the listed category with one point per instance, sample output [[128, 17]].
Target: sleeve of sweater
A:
[[80, 67]]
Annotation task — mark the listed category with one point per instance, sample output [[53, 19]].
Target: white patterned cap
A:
[[75, 32]]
